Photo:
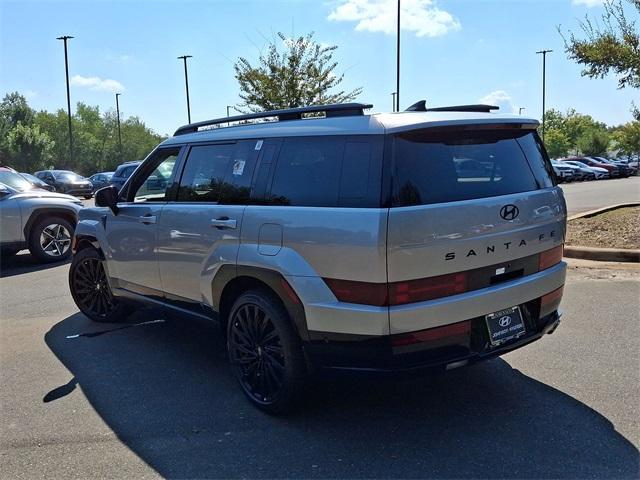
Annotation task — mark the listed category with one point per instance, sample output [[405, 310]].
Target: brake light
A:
[[398, 293], [549, 258], [551, 297], [431, 334], [365, 293], [427, 288]]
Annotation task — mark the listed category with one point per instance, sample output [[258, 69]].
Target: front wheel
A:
[[50, 239], [90, 289], [265, 352]]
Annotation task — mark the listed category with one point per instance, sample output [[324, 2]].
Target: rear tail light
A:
[[552, 297], [427, 288], [432, 334], [359, 292], [549, 258], [398, 293]]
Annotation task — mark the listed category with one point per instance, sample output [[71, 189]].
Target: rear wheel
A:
[[265, 352], [50, 239], [90, 288]]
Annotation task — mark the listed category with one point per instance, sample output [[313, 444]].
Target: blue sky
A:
[[453, 51]]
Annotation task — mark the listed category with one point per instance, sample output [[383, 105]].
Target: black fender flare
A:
[[274, 280]]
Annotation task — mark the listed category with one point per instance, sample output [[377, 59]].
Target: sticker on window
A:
[[259, 144], [238, 167]]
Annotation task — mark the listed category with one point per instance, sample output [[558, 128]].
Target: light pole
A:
[[228, 107], [520, 110], [393, 100], [119, 135], [397, 102], [64, 38], [186, 83], [544, 80]]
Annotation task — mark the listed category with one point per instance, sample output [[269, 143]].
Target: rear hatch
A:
[[475, 199]]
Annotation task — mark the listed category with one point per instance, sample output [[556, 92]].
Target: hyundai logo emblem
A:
[[505, 321], [509, 212]]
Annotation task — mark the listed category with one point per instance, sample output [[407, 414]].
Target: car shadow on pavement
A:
[[24, 263], [166, 391]]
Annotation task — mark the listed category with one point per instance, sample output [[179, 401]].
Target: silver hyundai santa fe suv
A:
[[325, 238]]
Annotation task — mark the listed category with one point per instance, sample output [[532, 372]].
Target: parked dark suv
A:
[[122, 173], [66, 181], [430, 238]]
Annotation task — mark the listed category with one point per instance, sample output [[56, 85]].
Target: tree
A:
[[29, 148], [303, 74], [627, 138], [556, 142], [594, 142], [612, 47], [43, 140]]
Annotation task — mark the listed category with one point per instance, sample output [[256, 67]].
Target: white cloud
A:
[[97, 83], [501, 99], [422, 17], [588, 3]]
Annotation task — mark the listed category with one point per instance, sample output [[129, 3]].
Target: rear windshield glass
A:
[[436, 167]]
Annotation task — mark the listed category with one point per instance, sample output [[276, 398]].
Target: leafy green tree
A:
[[29, 148], [556, 142], [611, 45], [301, 75], [627, 138], [594, 142]]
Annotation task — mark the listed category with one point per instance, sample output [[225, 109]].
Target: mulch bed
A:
[[618, 228]]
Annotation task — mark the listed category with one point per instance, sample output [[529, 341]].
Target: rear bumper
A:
[[378, 356]]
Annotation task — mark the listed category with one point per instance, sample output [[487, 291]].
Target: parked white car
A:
[[599, 173]]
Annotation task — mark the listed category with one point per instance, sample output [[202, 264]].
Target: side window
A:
[[356, 167], [152, 186], [204, 173], [219, 173], [308, 172], [236, 190]]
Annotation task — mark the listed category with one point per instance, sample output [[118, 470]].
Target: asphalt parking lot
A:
[[159, 400]]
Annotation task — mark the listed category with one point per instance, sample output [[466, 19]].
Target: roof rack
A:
[[332, 110], [421, 106]]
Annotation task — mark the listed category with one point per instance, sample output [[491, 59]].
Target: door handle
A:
[[223, 222], [147, 219]]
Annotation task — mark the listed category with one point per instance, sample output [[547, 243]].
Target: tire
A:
[[90, 288], [50, 239], [267, 361], [87, 197]]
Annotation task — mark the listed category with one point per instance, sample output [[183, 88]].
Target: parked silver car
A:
[[42, 221], [430, 238]]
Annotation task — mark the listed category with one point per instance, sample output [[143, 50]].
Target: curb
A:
[[592, 213], [602, 254]]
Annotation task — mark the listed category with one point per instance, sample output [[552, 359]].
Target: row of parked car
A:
[[71, 183], [593, 168], [39, 211]]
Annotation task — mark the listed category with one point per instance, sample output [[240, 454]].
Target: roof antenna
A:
[[420, 106]]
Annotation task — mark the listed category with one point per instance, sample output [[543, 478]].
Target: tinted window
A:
[[204, 173], [436, 167], [153, 186], [218, 173]]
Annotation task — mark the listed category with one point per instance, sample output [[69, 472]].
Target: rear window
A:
[[432, 166]]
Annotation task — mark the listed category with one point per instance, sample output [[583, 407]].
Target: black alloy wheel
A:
[[265, 352], [90, 289]]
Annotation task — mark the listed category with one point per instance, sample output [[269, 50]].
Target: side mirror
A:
[[4, 191], [107, 197]]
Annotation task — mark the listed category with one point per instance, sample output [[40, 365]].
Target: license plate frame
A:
[[505, 325]]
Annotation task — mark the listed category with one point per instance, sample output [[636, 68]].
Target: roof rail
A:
[[421, 106], [332, 110]]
